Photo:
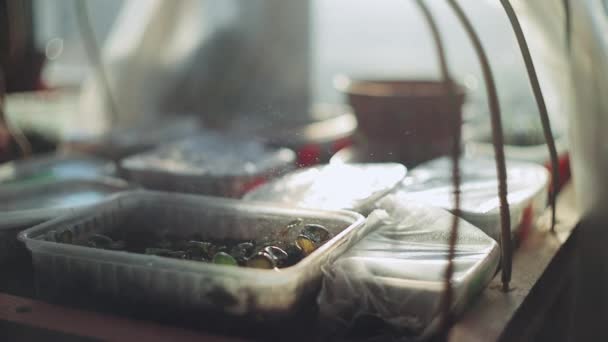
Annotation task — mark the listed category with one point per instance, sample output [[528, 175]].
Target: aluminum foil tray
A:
[[336, 186], [395, 273], [185, 284], [431, 184], [212, 164], [22, 207]]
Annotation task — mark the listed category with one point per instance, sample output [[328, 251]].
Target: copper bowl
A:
[[415, 114]]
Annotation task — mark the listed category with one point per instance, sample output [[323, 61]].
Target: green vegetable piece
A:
[[316, 233], [222, 258]]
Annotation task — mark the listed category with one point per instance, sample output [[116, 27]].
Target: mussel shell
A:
[[242, 251], [200, 249], [294, 255], [316, 232], [305, 244], [99, 241], [279, 255], [262, 260]]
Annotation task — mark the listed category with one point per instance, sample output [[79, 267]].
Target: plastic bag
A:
[[395, 274]]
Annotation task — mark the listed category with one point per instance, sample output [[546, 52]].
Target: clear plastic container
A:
[[54, 167], [22, 207], [184, 284], [212, 164], [431, 184], [521, 145], [332, 187], [395, 273]]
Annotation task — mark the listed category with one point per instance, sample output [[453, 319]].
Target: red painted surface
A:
[[526, 223], [341, 143], [564, 171], [89, 324], [309, 155], [253, 184]]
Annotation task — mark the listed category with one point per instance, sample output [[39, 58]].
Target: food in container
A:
[[283, 248], [431, 183], [210, 164], [336, 186], [186, 284], [395, 274]]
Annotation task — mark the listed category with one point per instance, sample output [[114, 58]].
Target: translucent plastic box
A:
[[185, 284], [23, 206], [209, 164]]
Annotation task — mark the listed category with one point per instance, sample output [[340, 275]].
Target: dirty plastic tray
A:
[[331, 187], [396, 272], [184, 284], [22, 207], [210, 164], [54, 167], [123, 142], [431, 183]]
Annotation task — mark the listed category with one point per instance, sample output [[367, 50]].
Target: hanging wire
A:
[[498, 141], [446, 302], [92, 49], [540, 101]]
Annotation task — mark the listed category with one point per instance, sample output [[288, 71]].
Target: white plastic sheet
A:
[[431, 183], [331, 187], [395, 273]]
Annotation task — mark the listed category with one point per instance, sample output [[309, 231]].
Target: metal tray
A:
[[54, 167], [22, 207], [183, 284], [210, 164], [331, 187]]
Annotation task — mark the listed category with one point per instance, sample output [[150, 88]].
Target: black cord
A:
[[540, 101], [446, 302], [498, 141]]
